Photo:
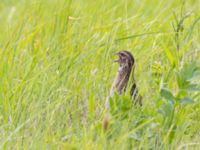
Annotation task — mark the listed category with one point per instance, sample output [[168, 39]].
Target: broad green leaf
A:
[[167, 94], [192, 88], [196, 77], [187, 75], [187, 100], [166, 110], [189, 71]]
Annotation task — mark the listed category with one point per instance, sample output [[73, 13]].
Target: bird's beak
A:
[[117, 59]]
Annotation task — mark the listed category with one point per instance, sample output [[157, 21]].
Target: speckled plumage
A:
[[124, 75]]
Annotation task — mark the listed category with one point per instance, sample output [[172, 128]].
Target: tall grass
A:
[[57, 68]]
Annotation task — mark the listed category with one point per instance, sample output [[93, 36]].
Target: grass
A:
[[57, 68]]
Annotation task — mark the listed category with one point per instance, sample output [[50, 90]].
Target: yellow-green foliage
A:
[[56, 70]]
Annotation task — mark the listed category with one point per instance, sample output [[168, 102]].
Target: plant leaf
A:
[[167, 94], [192, 88], [169, 56], [187, 100], [166, 110], [188, 71]]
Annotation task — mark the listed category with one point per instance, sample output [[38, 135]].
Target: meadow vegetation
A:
[[57, 68]]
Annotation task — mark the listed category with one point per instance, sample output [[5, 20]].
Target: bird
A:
[[125, 74]]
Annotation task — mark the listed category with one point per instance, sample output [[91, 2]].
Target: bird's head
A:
[[126, 59]]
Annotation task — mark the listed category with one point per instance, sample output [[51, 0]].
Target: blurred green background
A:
[[57, 68]]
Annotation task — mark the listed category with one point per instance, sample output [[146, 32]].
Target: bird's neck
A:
[[122, 79]]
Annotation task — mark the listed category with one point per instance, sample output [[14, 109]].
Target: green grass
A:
[[57, 68]]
